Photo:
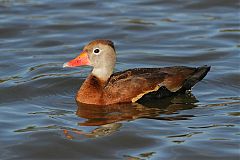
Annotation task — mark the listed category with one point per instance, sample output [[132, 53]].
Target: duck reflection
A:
[[107, 118], [101, 115]]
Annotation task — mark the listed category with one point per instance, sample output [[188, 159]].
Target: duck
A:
[[103, 87]]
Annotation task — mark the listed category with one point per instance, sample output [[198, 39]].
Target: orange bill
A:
[[80, 60]]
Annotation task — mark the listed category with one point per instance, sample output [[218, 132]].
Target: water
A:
[[39, 118]]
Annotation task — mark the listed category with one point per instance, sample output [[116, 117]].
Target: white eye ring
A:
[[96, 51]]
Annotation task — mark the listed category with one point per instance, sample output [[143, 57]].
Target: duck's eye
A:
[[96, 51]]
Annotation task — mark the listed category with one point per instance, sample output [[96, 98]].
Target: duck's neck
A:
[[91, 91], [102, 73]]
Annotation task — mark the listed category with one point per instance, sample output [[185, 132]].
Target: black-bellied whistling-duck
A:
[[104, 88]]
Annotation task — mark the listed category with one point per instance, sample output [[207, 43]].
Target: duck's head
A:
[[100, 54]]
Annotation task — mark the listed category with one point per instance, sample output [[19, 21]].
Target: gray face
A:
[[101, 55]]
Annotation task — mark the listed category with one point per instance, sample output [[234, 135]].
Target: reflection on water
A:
[[108, 118], [100, 115], [140, 156], [38, 109], [103, 130]]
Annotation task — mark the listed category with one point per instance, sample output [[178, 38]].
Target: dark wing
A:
[[132, 84]]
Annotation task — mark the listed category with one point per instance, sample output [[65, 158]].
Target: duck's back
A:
[[133, 84]]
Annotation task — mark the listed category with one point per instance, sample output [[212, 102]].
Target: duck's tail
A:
[[197, 76]]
